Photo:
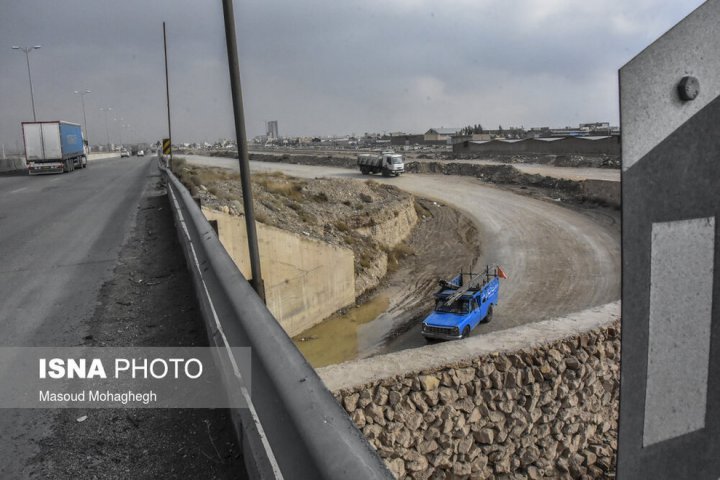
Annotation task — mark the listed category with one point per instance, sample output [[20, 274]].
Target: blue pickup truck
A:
[[462, 303]]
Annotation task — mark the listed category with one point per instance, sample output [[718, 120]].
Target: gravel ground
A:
[[149, 302]]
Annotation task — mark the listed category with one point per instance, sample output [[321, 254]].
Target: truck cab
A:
[[387, 163], [393, 163], [461, 305]]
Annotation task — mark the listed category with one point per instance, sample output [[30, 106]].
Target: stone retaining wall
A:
[[533, 408]]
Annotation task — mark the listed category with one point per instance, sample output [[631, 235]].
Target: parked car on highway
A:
[[141, 153], [124, 153]]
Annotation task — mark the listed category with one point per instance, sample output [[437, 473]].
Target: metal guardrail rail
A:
[[293, 427]]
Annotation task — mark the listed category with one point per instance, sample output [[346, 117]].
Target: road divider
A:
[[293, 426]]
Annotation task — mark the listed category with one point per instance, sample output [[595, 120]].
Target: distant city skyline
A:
[[321, 68]]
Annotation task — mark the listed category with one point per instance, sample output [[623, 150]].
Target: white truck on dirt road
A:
[[387, 163], [53, 147]]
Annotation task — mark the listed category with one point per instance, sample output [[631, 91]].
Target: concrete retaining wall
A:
[[101, 155], [305, 280], [536, 401]]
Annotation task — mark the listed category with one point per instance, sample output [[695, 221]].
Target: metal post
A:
[[32, 96], [167, 94], [27, 51], [82, 101], [233, 64], [107, 132]]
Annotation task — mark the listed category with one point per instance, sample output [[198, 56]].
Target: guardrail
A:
[[293, 426]]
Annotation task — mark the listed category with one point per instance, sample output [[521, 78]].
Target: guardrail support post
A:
[[233, 64]]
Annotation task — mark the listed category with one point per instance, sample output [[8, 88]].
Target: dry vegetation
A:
[[328, 210]]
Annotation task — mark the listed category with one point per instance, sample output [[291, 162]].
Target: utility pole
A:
[[82, 94], [107, 132], [241, 139], [167, 94], [27, 51]]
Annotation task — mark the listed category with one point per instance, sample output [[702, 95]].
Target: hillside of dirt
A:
[[338, 212], [575, 191]]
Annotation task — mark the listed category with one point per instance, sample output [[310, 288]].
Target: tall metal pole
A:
[[107, 132], [32, 96], [27, 51], [167, 94], [256, 280], [82, 101]]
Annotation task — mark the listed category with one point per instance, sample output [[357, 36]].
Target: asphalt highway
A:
[[60, 236]]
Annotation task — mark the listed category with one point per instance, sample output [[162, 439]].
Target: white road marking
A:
[[18, 190], [681, 286]]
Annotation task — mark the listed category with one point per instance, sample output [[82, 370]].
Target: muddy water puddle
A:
[[337, 339]]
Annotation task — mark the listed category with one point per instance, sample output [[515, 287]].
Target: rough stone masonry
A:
[[543, 411]]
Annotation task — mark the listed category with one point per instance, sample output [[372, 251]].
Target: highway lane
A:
[[559, 260], [59, 239], [60, 236]]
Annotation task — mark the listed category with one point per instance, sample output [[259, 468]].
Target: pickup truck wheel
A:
[[466, 331], [489, 316]]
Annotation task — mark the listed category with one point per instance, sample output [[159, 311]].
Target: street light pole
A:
[[120, 125], [107, 132], [241, 138], [27, 51], [82, 100]]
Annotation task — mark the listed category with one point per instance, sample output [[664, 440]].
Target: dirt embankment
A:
[[583, 161], [370, 218], [585, 191]]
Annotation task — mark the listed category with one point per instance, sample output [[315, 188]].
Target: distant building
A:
[[406, 139], [271, 129], [441, 134], [571, 145]]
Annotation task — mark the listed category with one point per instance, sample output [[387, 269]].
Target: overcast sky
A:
[[322, 67]]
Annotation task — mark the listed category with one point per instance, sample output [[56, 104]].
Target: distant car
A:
[[141, 153], [124, 153]]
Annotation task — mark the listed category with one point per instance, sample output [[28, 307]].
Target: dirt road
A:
[[568, 173], [559, 260]]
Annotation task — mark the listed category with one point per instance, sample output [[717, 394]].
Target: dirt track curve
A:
[[558, 259]]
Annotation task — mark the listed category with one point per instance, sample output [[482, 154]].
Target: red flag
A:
[[501, 273]]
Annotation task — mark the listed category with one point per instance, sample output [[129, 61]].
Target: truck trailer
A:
[[387, 163], [53, 147]]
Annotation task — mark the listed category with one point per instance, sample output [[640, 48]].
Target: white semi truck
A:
[[387, 163], [53, 147]]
